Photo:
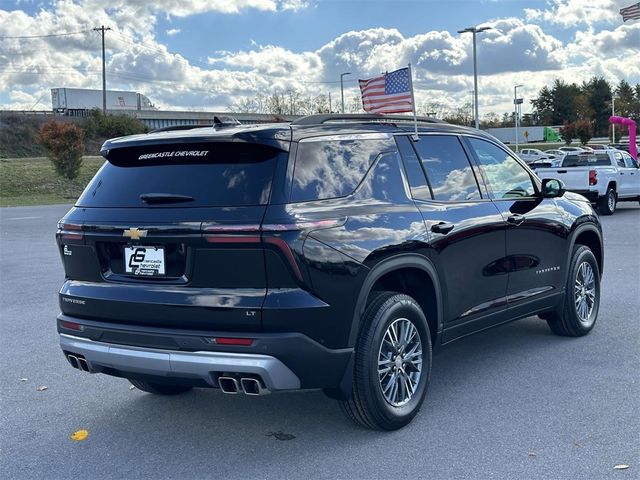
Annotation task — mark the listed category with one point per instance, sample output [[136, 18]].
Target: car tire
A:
[[579, 311], [607, 203], [388, 400], [159, 388]]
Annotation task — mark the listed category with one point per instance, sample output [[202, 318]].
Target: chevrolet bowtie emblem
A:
[[134, 233]]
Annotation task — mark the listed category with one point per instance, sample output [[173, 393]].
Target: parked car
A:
[[330, 253], [571, 149], [555, 152], [605, 178], [599, 147], [532, 154]]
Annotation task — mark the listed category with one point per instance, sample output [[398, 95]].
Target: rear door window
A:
[[331, 167], [207, 174], [447, 167]]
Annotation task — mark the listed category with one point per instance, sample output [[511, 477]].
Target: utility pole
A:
[[330, 111], [102, 29], [475, 31], [342, 87]]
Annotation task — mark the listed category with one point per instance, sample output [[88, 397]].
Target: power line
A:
[[49, 35]]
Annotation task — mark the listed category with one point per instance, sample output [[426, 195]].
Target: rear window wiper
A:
[[165, 198]]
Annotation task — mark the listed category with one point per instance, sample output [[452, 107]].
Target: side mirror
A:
[[553, 188]]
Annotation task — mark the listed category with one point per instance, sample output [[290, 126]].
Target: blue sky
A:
[[193, 54]]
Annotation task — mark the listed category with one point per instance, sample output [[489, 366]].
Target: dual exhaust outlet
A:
[[79, 362], [246, 385], [230, 385]]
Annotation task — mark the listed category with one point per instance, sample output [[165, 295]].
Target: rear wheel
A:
[[607, 204], [159, 388], [579, 311], [392, 363]]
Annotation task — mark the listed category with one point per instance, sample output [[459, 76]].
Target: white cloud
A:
[[173, 31], [576, 12], [514, 52]]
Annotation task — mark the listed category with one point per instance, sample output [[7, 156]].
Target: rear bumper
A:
[[205, 366], [284, 361]]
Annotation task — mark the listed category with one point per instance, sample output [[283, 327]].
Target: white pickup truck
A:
[[605, 177]]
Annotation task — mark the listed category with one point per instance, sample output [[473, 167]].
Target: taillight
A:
[[268, 233], [71, 326], [593, 177], [70, 231]]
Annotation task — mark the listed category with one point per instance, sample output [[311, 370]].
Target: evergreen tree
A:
[[599, 93], [543, 106]]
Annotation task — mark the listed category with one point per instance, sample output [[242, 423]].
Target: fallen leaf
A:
[[24, 379], [41, 388], [532, 454], [80, 435], [577, 444], [621, 466]]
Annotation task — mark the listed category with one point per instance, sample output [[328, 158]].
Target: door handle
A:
[[562, 171], [442, 227], [516, 219]]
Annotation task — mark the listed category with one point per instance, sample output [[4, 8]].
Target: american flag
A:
[[631, 13], [388, 93]]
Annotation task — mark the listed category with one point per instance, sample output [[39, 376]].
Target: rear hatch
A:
[[168, 235]]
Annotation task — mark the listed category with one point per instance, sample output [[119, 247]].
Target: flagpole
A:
[[413, 102]]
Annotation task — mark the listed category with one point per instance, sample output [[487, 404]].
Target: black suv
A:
[[329, 253]]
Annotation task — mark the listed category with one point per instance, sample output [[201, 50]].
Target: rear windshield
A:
[[588, 160], [207, 174]]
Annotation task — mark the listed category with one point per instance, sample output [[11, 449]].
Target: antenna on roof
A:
[[224, 121]]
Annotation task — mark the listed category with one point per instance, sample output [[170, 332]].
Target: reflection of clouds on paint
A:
[[506, 177], [333, 168], [359, 242]]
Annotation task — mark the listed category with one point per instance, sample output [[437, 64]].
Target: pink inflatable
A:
[[633, 149]]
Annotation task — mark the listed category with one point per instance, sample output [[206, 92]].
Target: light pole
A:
[[613, 114], [475, 31], [473, 96], [342, 87], [516, 104]]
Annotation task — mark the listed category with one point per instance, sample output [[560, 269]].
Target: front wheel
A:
[[579, 311], [607, 204], [392, 363]]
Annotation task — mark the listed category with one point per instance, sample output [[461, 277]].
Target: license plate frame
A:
[[144, 261]]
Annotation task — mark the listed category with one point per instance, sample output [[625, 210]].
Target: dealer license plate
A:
[[144, 261]]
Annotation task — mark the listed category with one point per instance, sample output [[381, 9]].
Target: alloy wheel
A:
[[585, 292], [400, 362]]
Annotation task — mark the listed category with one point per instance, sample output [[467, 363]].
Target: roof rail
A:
[[360, 118], [176, 127]]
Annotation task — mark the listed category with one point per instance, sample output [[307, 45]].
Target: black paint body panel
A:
[[304, 270]]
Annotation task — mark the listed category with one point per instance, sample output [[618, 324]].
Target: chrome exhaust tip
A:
[[228, 385], [82, 363], [73, 360], [253, 386]]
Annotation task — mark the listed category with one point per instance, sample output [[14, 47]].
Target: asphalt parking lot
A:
[[513, 402]]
